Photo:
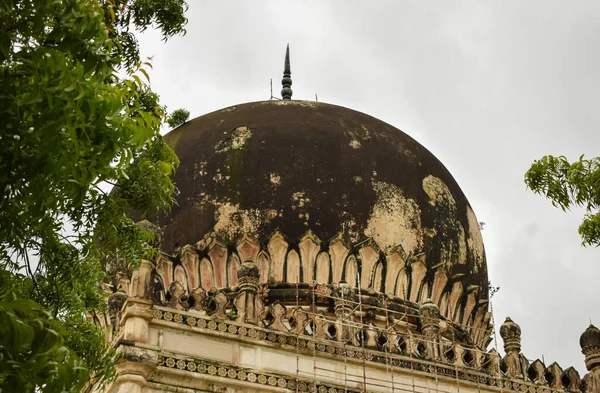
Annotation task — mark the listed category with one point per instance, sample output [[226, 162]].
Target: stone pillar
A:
[[429, 314], [136, 320], [135, 364], [343, 306], [516, 364], [141, 280], [590, 346], [249, 305], [133, 370]]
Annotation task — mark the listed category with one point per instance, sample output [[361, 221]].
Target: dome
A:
[[318, 193], [590, 338], [292, 166]]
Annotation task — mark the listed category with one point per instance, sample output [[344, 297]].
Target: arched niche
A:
[[233, 264], [351, 271], [322, 268], [377, 280], [293, 267], [181, 275], [264, 267], [207, 274]]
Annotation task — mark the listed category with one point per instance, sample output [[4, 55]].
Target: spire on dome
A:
[[286, 82]]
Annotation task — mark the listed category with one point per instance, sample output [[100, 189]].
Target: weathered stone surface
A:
[[294, 166]]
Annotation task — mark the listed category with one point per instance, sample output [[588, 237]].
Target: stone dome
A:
[[295, 166], [590, 338]]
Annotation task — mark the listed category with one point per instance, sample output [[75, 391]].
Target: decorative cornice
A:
[[309, 346], [404, 278], [251, 376]]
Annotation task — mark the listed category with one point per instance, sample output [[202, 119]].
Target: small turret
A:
[[511, 335], [590, 346], [514, 363]]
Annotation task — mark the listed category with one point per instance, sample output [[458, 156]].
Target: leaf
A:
[[138, 81], [73, 114], [143, 71]]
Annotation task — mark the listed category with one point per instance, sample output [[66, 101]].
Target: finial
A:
[[511, 334], [286, 82]]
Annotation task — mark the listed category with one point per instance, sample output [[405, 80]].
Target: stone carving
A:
[[590, 346], [199, 295], [371, 334], [335, 315], [515, 363], [493, 363], [141, 281], [298, 320], [157, 289], [429, 314], [536, 372], [248, 303], [402, 345], [216, 304], [178, 299], [553, 374], [209, 263], [274, 317], [343, 307], [571, 380]]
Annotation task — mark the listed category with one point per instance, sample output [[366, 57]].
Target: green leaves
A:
[[570, 184], [78, 117], [33, 357], [178, 117]]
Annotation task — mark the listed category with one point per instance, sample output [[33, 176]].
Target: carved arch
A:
[[207, 274], [377, 277], [233, 264], [322, 268], [264, 266], [402, 283], [181, 275], [293, 271], [351, 271]]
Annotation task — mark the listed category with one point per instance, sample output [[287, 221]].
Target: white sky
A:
[[486, 86]]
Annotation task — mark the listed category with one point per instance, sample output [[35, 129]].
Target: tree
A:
[[178, 117], [570, 184], [77, 117]]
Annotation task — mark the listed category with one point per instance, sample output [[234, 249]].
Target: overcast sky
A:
[[486, 86]]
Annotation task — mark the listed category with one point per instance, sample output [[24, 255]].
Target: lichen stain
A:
[[437, 190], [475, 240], [395, 220], [202, 170], [310, 104], [354, 144], [349, 228], [239, 136], [232, 221], [299, 199], [275, 179], [449, 239]]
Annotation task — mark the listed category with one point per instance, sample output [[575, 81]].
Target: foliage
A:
[[570, 184], [77, 117], [178, 117], [492, 290], [33, 354]]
